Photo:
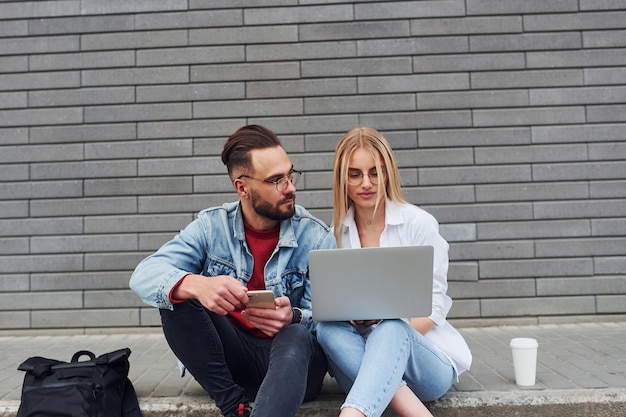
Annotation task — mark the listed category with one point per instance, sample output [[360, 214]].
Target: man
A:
[[199, 281]]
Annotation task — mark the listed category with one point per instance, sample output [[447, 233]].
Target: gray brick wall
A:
[[508, 118]]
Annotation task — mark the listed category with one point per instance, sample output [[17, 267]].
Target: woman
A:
[[396, 363]]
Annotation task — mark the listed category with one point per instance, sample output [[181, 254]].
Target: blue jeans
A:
[[233, 367], [372, 369]]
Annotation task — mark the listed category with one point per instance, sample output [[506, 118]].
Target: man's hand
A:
[[221, 294], [268, 320]]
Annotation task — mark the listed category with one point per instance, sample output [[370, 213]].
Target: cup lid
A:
[[524, 342]]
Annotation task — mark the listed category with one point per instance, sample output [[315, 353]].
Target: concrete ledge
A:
[[550, 403]]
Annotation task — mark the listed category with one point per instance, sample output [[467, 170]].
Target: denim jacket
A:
[[215, 244]]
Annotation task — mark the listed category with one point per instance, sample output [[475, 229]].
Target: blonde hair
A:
[[374, 142]]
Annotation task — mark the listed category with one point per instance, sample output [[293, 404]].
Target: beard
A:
[[273, 212]]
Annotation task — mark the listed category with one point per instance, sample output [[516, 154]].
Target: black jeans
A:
[[232, 366]]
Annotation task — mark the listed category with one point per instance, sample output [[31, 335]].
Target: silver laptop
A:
[[371, 283]]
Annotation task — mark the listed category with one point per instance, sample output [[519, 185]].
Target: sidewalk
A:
[[581, 371]]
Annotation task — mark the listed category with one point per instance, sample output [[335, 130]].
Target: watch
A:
[[297, 315]]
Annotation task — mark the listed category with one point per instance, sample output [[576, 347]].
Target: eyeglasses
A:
[[356, 177], [280, 183]]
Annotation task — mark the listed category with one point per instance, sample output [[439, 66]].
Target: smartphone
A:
[[261, 299]]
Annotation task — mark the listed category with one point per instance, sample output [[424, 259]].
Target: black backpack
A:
[[98, 387]]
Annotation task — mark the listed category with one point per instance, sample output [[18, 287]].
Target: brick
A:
[[14, 173], [14, 283], [245, 71], [138, 186], [135, 76], [612, 265], [469, 62], [251, 108], [356, 66], [529, 116], [417, 120], [533, 153], [176, 204], [533, 229], [493, 289], [466, 25], [540, 306], [599, 4], [13, 100], [138, 112], [37, 81], [604, 39], [299, 14], [528, 78], [473, 137], [180, 166], [15, 319], [41, 189], [462, 271], [604, 76], [582, 247], [83, 243], [357, 104], [80, 97], [149, 317], [190, 92], [82, 280], [608, 227], [577, 133], [83, 133], [190, 55], [481, 212], [189, 19], [38, 44], [13, 64], [139, 149], [28, 9], [244, 35], [579, 209], [514, 249], [122, 6], [190, 128], [578, 58], [80, 24], [581, 170], [573, 21], [86, 169], [14, 28], [18, 245], [602, 114], [36, 117], [409, 9], [353, 30], [472, 99], [402, 83], [212, 146], [111, 299], [312, 161], [413, 46], [13, 209], [103, 261], [314, 199], [301, 51], [475, 174], [134, 40], [516, 7], [135, 223], [433, 157], [82, 60], [301, 88], [611, 304], [40, 263], [440, 195], [83, 206], [581, 95], [607, 151], [525, 42], [458, 232], [308, 124], [581, 286], [154, 241], [87, 318], [533, 268], [40, 227], [465, 308]]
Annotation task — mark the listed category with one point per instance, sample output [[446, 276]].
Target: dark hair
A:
[[236, 153]]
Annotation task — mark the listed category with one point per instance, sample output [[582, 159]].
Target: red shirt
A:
[[262, 245]]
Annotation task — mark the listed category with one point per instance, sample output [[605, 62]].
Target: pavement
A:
[[581, 371]]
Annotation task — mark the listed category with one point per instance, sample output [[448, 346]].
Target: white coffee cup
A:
[[524, 351]]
